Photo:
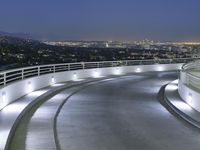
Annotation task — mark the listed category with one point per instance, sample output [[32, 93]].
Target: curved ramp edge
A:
[[180, 107]]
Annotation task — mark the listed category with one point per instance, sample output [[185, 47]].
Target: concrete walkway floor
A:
[[120, 113]]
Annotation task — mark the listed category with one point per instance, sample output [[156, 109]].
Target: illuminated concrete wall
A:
[[190, 95], [18, 89]]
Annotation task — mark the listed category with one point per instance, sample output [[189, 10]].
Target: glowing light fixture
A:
[[4, 96], [30, 88], [190, 98], [75, 76], [96, 74], [160, 68], [138, 70], [52, 80], [117, 71], [29, 84]]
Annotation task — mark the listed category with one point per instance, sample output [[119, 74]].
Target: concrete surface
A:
[[179, 106], [117, 114], [124, 114]]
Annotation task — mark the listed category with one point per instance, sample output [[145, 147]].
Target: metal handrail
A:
[[21, 73], [191, 65], [191, 79]]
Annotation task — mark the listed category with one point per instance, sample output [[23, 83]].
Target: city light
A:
[[187, 43]]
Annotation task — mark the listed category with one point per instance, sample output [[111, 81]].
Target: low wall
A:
[[18, 89], [189, 94]]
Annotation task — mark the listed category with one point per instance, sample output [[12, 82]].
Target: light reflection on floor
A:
[[182, 105], [36, 93]]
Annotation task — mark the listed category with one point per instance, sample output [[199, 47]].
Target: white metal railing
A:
[[9, 76]]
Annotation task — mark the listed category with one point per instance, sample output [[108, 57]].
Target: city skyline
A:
[[127, 20]]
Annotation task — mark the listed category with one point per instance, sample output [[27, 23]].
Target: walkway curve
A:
[[124, 114], [25, 132], [120, 114]]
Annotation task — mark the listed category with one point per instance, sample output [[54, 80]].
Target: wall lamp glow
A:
[[52, 80], [138, 70], [30, 89], [117, 71], [75, 76], [4, 96], [190, 98], [29, 84], [160, 68], [96, 74]]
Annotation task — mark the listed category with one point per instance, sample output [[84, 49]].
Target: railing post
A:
[[38, 71], [83, 64], [68, 67], [22, 74], [4, 79], [187, 79], [97, 64], [54, 68]]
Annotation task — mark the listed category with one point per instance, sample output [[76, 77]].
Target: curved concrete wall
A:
[[20, 88], [188, 93]]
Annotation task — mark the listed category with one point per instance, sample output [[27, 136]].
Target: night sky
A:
[[125, 20]]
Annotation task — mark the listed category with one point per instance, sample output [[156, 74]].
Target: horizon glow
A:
[[120, 20]]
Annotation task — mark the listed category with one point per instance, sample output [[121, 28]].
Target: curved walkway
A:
[[112, 114], [123, 115]]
